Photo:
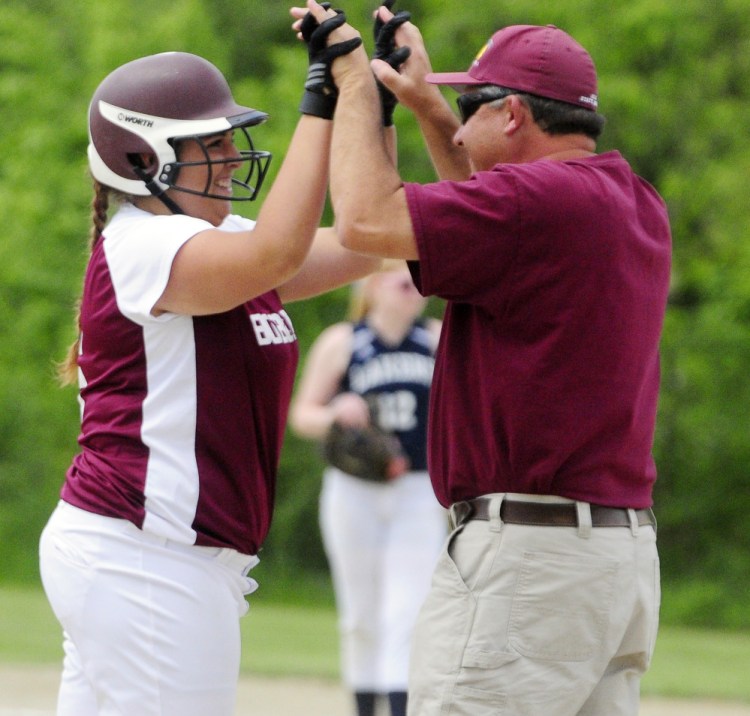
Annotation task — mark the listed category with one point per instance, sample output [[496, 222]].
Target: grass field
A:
[[280, 640]]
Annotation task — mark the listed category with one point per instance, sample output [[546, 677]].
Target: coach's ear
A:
[[516, 114]]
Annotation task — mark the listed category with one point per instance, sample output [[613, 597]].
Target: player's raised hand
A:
[[318, 26]]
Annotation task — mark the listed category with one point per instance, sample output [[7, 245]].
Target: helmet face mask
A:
[[147, 107], [245, 187]]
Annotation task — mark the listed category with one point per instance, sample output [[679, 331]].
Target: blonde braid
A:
[[67, 370]]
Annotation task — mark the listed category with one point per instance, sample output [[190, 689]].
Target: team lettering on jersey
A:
[[391, 368], [273, 328]]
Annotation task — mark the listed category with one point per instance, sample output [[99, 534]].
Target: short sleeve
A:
[[466, 234], [140, 251]]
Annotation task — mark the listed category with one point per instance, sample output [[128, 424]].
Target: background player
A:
[[381, 538]]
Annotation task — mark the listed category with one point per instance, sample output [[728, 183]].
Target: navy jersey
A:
[[399, 376]]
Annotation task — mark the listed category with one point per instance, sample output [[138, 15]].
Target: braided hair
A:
[[67, 369]]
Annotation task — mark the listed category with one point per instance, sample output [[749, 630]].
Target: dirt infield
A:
[[30, 691]]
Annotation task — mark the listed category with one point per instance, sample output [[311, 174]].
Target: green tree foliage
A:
[[674, 84]]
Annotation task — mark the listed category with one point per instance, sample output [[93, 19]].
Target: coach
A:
[[554, 261]]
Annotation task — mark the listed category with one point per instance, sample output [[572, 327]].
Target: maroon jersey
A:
[[547, 374], [182, 417]]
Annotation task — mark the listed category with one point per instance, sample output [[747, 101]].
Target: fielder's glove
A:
[[370, 453], [386, 50], [319, 98]]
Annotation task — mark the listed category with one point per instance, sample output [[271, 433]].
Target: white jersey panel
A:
[[168, 429], [140, 248]]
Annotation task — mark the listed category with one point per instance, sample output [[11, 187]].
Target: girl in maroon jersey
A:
[[185, 360]]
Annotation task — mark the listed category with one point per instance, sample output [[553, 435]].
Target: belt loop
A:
[[496, 521], [458, 513], [633, 522], [583, 511]]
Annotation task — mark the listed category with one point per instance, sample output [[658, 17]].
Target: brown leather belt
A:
[[548, 514]]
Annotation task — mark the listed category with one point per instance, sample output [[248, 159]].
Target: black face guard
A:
[[255, 162]]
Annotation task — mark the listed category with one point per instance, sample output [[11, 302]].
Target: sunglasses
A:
[[470, 102]]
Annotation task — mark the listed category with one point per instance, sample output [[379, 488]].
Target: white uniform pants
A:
[[382, 542], [537, 621], [151, 627]]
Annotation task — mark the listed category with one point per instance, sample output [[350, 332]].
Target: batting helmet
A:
[[148, 105]]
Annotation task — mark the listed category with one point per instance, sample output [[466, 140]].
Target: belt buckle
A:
[[461, 512]]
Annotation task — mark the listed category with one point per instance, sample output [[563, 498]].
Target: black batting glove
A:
[[386, 50], [321, 93]]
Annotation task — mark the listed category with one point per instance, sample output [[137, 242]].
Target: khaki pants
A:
[[537, 621]]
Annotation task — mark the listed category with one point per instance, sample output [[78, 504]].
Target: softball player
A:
[[186, 360], [382, 538]]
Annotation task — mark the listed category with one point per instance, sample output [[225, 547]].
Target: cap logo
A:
[[591, 100], [483, 49]]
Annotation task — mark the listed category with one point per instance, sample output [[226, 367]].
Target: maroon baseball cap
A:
[[544, 61]]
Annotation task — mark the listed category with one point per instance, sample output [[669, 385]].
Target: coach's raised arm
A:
[[373, 218]]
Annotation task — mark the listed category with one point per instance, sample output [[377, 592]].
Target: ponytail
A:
[[67, 370]]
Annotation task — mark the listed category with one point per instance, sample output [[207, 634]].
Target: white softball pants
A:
[[382, 542], [150, 626]]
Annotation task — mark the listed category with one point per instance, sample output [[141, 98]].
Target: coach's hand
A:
[[319, 98], [384, 31]]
